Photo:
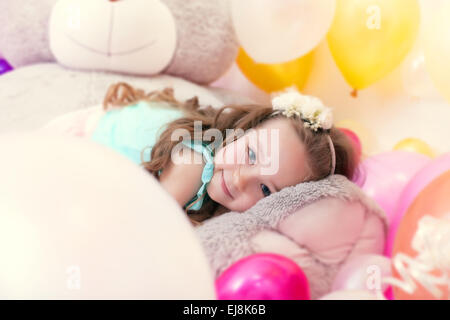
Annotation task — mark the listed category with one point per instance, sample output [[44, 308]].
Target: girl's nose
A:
[[242, 176]]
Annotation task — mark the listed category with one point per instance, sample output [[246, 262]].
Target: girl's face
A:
[[261, 162]]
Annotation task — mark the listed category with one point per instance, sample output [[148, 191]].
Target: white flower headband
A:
[[311, 110]]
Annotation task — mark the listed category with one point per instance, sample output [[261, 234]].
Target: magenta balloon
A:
[[263, 277], [354, 139], [417, 183], [389, 293]]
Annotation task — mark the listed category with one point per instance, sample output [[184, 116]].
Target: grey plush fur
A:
[[207, 44], [32, 96], [24, 31], [226, 238]]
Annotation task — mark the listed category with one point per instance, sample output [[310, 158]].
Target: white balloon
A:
[[416, 80], [78, 221], [274, 31], [437, 48]]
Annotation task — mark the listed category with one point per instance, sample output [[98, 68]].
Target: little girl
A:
[[269, 148]]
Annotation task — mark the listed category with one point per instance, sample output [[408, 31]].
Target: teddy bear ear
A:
[[24, 31], [207, 45]]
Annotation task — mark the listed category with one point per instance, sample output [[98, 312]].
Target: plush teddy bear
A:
[[67, 52], [320, 225], [189, 39]]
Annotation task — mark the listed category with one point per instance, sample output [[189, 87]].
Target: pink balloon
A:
[[263, 277], [389, 293], [417, 183], [384, 176]]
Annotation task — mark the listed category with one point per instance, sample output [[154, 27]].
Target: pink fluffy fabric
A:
[[79, 123]]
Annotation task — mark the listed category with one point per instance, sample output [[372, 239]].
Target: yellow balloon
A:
[[437, 50], [415, 145], [369, 38], [275, 77]]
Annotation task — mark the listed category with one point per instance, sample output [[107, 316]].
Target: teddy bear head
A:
[[190, 39]]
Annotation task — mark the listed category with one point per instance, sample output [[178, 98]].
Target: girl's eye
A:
[[251, 156], [265, 190]]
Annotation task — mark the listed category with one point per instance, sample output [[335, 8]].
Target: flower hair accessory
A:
[[311, 110]]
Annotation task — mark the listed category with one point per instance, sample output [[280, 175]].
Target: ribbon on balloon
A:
[[432, 242]]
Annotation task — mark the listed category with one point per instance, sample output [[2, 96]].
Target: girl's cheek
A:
[[247, 202], [219, 158]]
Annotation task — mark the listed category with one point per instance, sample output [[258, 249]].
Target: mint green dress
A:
[[133, 131]]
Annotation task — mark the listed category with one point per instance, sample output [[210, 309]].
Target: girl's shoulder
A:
[[134, 128], [144, 110], [79, 123], [195, 166], [186, 168], [206, 151]]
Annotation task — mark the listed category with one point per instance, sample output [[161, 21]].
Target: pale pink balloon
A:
[[418, 182], [349, 295], [237, 82], [384, 176], [363, 272], [263, 277]]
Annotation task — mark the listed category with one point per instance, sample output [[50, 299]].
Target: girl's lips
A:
[[224, 187]]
